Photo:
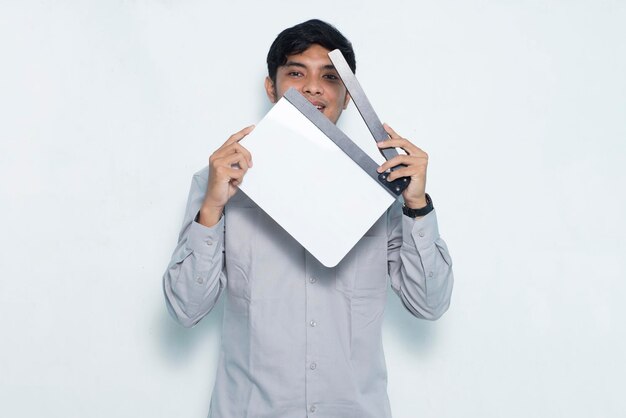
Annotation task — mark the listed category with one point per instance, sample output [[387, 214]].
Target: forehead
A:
[[314, 56]]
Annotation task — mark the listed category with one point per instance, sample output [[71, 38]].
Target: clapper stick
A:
[[366, 111], [344, 143]]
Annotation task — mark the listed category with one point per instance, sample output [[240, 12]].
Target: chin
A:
[[331, 117]]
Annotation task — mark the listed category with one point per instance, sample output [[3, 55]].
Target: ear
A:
[[346, 101], [270, 90]]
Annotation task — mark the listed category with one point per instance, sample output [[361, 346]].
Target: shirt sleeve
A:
[[195, 276], [419, 263]]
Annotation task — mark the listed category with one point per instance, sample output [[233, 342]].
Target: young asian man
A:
[[300, 339]]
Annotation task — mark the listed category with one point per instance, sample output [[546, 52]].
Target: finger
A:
[[241, 165], [241, 149], [403, 172], [237, 173], [232, 159], [236, 182], [236, 137], [230, 150], [390, 131], [397, 160], [403, 143], [222, 168], [234, 173]]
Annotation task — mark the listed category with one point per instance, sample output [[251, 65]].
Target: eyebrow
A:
[[300, 65]]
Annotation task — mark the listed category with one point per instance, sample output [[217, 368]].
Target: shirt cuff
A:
[[420, 233], [206, 240]]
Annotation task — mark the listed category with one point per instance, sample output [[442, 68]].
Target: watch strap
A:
[[414, 213]]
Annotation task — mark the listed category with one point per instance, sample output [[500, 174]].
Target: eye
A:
[[294, 74], [331, 77]]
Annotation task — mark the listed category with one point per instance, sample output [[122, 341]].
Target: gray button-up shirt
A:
[[300, 339]]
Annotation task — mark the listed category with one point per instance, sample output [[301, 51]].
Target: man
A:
[[300, 339]]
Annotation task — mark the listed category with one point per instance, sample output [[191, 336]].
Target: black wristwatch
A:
[[414, 213]]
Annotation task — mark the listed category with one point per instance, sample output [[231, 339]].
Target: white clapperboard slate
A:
[[312, 180]]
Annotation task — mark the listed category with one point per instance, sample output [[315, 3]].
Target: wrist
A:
[[420, 210], [210, 215], [418, 203]]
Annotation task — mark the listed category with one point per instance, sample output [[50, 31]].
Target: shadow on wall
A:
[[178, 343], [175, 341], [415, 335]]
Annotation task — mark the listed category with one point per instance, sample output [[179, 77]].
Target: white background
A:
[[107, 108]]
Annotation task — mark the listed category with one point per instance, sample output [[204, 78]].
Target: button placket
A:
[[314, 293]]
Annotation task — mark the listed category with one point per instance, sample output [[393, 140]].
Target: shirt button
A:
[[209, 243], [199, 279], [312, 408], [312, 279], [313, 323], [430, 274], [313, 366], [421, 234]]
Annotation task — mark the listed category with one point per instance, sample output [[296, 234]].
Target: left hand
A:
[[416, 162]]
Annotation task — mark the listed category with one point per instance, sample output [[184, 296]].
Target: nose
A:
[[312, 86]]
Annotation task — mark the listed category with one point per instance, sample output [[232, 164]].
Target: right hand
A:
[[227, 166]]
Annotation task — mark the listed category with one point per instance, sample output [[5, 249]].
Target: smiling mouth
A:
[[319, 106]]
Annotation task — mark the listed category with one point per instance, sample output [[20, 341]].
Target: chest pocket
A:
[[363, 272], [263, 262]]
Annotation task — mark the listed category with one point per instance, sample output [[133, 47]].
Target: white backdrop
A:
[[107, 108]]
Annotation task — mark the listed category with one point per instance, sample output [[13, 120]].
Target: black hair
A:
[[300, 37]]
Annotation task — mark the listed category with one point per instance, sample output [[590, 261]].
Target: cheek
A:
[[338, 95], [339, 102], [283, 86]]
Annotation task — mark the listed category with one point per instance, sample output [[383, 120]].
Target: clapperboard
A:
[[312, 179]]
